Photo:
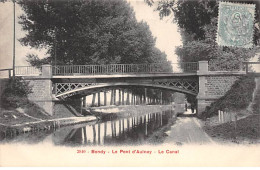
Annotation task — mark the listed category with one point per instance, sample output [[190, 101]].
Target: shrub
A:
[[15, 94]]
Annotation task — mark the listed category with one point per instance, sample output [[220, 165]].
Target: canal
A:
[[135, 129]]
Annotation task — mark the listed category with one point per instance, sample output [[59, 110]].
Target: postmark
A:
[[236, 24]]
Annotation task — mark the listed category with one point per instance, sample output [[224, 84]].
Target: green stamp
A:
[[236, 24]]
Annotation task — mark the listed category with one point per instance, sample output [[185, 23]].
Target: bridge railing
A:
[[185, 67], [59, 70], [6, 73], [219, 65], [123, 69], [248, 67], [27, 71], [252, 67]]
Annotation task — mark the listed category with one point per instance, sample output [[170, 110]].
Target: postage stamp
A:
[[236, 24]]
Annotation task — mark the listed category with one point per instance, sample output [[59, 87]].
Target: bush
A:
[[15, 94], [237, 98]]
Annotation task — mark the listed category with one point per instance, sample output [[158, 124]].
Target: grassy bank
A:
[[242, 100], [15, 107], [27, 113], [243, 131]]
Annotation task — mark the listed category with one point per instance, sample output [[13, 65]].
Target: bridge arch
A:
[[93, 86]]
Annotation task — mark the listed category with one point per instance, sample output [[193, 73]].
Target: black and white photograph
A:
[[122, 83]]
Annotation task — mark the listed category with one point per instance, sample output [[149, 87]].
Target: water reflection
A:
[[123, 131]]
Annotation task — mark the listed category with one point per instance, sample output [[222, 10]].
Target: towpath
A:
[[188, 130]]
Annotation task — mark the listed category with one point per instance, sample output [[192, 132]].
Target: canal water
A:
[[129, 130]]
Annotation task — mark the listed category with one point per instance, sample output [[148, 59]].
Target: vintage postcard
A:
[[107, 83]]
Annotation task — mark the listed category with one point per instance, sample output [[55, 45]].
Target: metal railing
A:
[[185, 67], [219, 65], [124, 69], [6, 73], [110, 69], [252, 67], [27, 71]]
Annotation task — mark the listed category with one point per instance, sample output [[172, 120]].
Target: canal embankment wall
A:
[[41, 125]]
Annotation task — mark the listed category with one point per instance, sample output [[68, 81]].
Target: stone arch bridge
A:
[[56, 84]]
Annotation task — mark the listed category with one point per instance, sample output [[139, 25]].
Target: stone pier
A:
[[213, 85], [42, 89]]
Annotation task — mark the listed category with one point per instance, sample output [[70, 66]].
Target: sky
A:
[[6, 37], [164, 31]]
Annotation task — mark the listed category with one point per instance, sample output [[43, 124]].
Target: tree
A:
[[16, 93], [194, 15], [197, 21], [207, 49], [87, 32]]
